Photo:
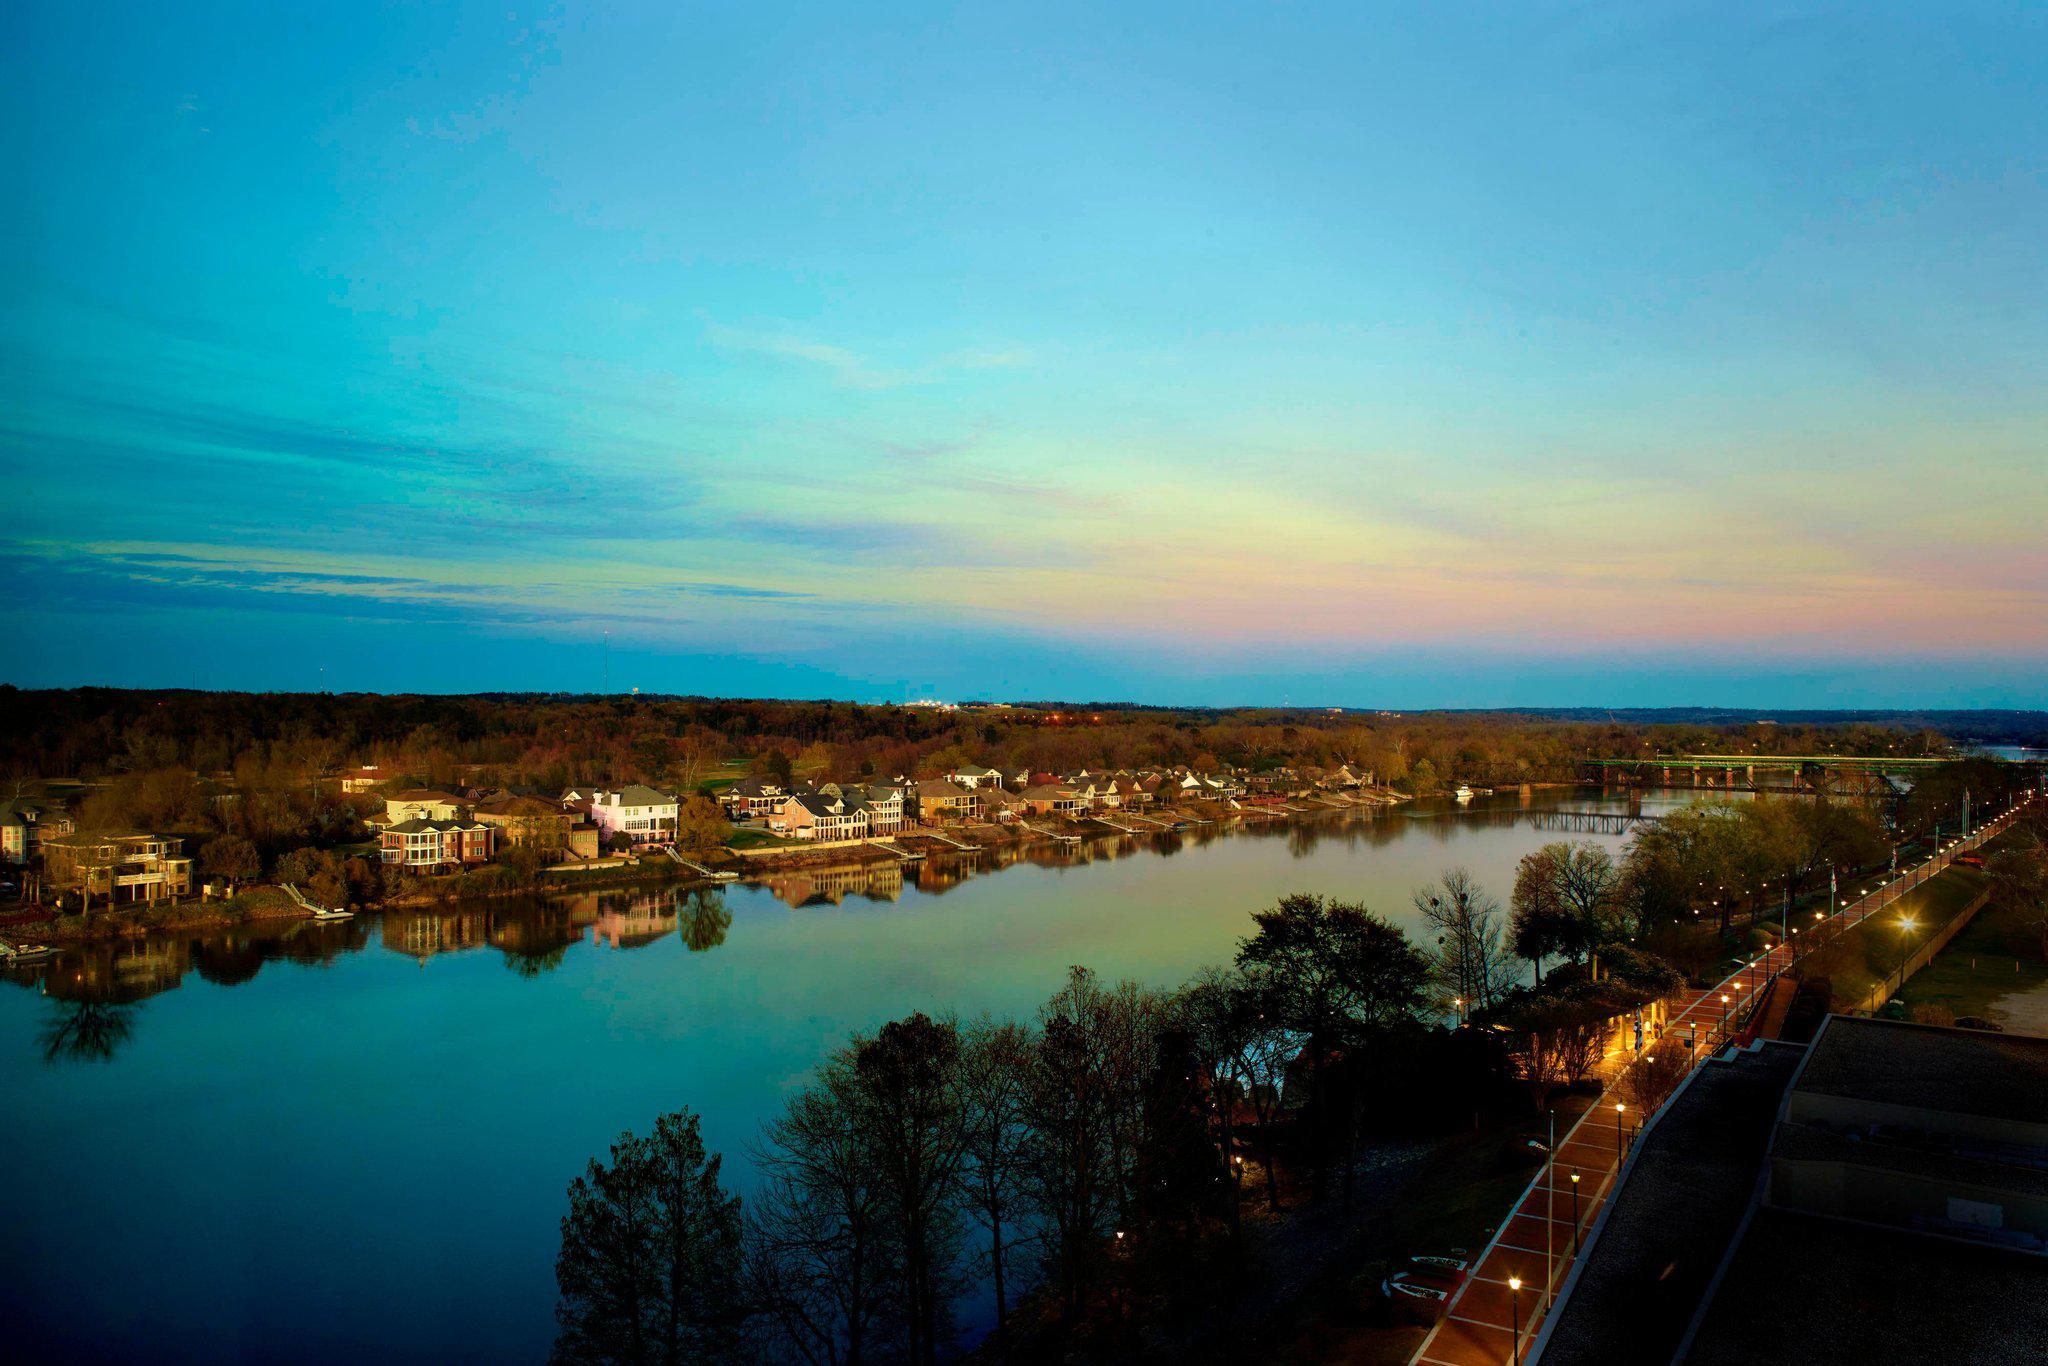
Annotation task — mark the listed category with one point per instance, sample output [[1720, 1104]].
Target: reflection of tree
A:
[[529, 963], [705, 918], [229, 962], [86, 1031]]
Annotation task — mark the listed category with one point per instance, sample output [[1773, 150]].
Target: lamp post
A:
[[1724, 1015], [1575, 1214], [1618, 1109], [1905, 934], [1515, 1318]]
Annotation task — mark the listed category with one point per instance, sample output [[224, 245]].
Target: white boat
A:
[[332, 913], [1463, 794], [25, 953]]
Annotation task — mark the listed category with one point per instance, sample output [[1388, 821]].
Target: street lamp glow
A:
[[1514, 1282]]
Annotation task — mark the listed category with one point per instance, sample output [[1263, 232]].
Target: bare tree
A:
[[1471, 962], [995, 1060]]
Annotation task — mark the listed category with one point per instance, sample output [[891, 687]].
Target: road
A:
[[1537, 1243]]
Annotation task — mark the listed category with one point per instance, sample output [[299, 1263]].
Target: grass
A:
[[1863, 957], [760, 839], [1991, 958]]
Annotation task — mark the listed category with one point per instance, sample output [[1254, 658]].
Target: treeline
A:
[[552, 741], [1094, 1165]]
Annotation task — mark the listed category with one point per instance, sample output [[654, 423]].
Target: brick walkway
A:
[[1537, 1243]]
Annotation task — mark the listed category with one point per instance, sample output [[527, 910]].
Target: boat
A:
[[25, 953], [1463, 794], [332, 913]]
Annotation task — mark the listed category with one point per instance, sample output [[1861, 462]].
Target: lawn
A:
[[1992, 959], [1866, 955]]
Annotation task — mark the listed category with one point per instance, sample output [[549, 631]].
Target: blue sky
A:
[[1453, 355]]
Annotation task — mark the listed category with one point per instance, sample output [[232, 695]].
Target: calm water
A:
[[324, 1141]]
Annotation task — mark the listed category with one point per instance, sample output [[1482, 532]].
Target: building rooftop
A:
[[1692, 1176], [1827, 1292], [1922, 1067]]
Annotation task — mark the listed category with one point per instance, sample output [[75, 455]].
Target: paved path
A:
[[1537, 1243]]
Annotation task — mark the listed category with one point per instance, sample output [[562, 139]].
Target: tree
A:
[[910, 1113], [700, 825], [1649, 1081], [820, 1259], [231, 858], [994, 1061], [1541, 927], [648, 1269], [1470, 963], [1333, 972]]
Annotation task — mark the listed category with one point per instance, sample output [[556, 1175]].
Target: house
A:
[[636, 811], [752, 798], [421, 804], [531, 823], [974, 775], [939, 801], [1056, 799], [1000, 804], [26, 824], [363, 779], [423, 846], [884, 804], [819, 816], [118, 867]]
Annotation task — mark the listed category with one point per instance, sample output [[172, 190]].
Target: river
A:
[[327, 1142]]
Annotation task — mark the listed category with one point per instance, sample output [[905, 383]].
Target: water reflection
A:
[[86, 1031], [535, 934]]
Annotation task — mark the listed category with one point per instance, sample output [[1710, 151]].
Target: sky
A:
[[1388, 355]]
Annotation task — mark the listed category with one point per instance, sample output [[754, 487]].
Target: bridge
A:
[[1841, 774]]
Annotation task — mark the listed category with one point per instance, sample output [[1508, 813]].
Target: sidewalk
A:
[[1487, 1322]]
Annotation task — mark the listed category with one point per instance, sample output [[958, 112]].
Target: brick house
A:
[[426, 846]]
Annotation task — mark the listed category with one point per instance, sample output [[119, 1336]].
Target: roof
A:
[[1651, 1258], [939, 787], [419, 826], [1890, 1296], [1961, 1071], [639, 794], [424, 794]]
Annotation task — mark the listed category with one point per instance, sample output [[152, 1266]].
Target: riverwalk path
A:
[[1489, 1321]]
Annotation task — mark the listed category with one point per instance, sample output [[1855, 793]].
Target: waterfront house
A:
[[940, 802], [117, 867], [636, 811], [422, 804], [26, 824], [974, 775], [752, 798], [1056, 799], [531, 823], [427, 846], [819, 816], [363, 779]]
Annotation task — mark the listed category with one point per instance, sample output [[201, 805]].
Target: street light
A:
[[1618, 1108], [1575, 1214], [1515, 1308], [1724, 1014], [1905, 932]]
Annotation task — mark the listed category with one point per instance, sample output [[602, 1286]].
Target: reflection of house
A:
[[429, 845], [816, 886], [121, 867], [629, 922], [25, 825], [422, 934]]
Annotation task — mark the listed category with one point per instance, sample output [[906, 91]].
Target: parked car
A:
[[1978, 1022]]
